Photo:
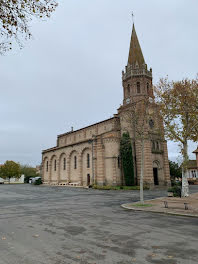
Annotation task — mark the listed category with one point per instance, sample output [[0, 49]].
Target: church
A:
[[91, 155]]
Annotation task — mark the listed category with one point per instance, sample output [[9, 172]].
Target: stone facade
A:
[[86, 156], [91, 155]]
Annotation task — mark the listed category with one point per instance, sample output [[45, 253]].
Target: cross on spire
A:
[[132, 17]]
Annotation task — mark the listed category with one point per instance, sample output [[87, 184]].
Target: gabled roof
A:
[[74, 131], [192, 164], [195, 151]]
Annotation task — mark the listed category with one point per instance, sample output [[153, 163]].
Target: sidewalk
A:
[[175, 205]]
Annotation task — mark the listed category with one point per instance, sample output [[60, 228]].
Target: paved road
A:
[[56, 225]]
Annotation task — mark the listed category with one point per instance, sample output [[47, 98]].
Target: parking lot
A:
[[55, 225]]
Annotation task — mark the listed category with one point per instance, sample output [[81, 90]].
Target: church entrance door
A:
[[155, 175], [88, 179]]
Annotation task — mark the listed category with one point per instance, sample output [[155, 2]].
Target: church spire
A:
[[136, 78], [136, 58]]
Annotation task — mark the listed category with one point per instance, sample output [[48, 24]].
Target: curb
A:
[[127, 207]]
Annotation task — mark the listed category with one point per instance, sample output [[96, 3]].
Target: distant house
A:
[[1, 181], [193, 168], [17, 180]]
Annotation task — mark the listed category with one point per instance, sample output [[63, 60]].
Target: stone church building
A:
[[91, 155]]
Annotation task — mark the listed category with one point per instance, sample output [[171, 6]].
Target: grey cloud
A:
[[69, 74]]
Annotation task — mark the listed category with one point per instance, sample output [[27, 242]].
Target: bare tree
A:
[[15, 16], [137, 115]]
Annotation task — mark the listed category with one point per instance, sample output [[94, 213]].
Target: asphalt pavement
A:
[[56, 225]]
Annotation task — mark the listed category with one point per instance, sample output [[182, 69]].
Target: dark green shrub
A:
[[27, 178], [176, 190], [127, 159], [176, 183], [38, 182], [175, 170]]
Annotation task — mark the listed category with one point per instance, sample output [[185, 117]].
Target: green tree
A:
[[28, 172], [15, 18], [178, 103], [175, 170], [9, 170], [127, 159]]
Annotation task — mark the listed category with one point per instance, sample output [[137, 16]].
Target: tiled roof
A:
[[196, 151], [192, 164]]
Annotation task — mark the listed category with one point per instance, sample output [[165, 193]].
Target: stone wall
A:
[[91, 157], [153, 158]]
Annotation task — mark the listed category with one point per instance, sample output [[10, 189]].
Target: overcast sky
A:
[[69, 74]]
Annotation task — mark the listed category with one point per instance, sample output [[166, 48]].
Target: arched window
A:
[[55, 165], [128, 89], [157, 145], [47, 166], [118, 162], [64, 164], [75, 162], [138, 87], [151, 123], [88, 160], [153, 145], [147, 88]]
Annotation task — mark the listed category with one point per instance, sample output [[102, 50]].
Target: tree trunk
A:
[[185, 186], [142, 173]]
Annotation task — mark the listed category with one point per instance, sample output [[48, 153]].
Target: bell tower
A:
[[136, 79], [147, 122]]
